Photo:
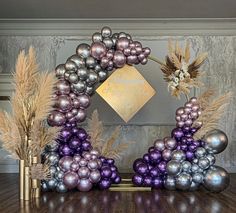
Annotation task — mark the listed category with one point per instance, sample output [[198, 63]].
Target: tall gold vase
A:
[[27, 183], [22, 178], [35, 183]]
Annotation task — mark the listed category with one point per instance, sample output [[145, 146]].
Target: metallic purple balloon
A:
[[122, 43], [74, 143], [119, 59], [65, 163], [189, 155], [104, 62], [177, 133], [104, 184], [86, 146], [127, 51], [98, 50], [83, 172], [63, 87], [106, 172], [56, 118], [117, 180], [65, 150], [146, 51], [82, 134], [132, 59], [142, 169], [84, 101], [147, 181], [83, 162], [76, 103], [84, 185], [77, 158], [65, 134], [154, 172], [136, 163], [146, 158], [93, 164], [81, 115], [137, 180], [110, 161], [155, 156], [74, 166], [70, 180], [157, 183], [162, 166], [166, 154]]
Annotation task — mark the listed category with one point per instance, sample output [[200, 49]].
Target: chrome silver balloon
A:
[[102, 75], [194, 186], [83, 50], [186, 166], [92, 78], [52, 147], [200, 152], [79, 61], [90, 62], [44, 186], [73, 78], [52, 158], [169, 183], [159, 145], [70, 65], [60, 71], [194, 168], [215, 141], [97, 37], [195, 160], [211, 158], [173, 167], [78, 87], [178, 155], [52, 170], [97, 68], [183, 181], [108, 43], [82, 73], [197, 177], [89, 90], [59, 175], [61, 187], [106, 32], [203, 163], [52, 183], [216, 179]]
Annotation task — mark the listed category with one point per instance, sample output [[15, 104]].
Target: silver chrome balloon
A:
[[173, 167], [52, 183], [83, 50], [169, 183], [186, 166], [44, 186], [52, 158], [106, 32], [82, 73], [70, 65], [108, 43], [92, 78], [78, 87], [52, 170], [52, 147], [97, 37], [59, 175], [89, 90], [215, 141], [194, 186], [60, 71], [79, 61], [194, 168], [61, 188], [216, 179], [183, 181], [203, 163], [197, 177], [73, 78], [159, 145], [90, 62], [211, 158], [102, 75], [200, 152], [178, 155]]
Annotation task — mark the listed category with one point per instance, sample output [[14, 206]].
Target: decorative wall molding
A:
[[141, 27]]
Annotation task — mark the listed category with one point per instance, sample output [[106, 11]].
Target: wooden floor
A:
[[157, 201]]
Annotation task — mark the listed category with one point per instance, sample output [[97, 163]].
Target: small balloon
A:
[[61, 187], [83, 50], [79, 61], [90, 62], [84, 185], [183, 181], [98, 50], [169, 183], [65, 163], [159, 145], [60, 71], [106, 32], [97, 37], [70, 65], [95, 176], [173, 167]]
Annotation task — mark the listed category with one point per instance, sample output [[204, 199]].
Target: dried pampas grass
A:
[[40, 172], [31, 103], [212, 111], [108, 148]]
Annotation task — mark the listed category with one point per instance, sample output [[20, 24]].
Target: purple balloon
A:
[[136, 163], [74, 143], [56, 118], [132, 59], [155, 156], [106, 172], [70, 180], [65, 150], [74, 166], [119, 59], [62, 87], [162, 166], [137, 180], [113, 175], [110, 161], [189, 155], [146, 51], [82, 134], [177, 133], [146, 158], [117, 180], [154, 172], [142, 169], [81, 115], [122, 43], [147, 181], [64, 103], [65, 134], [104, 184], [86, 146], [157, 183], [98, 50], [113, 168]]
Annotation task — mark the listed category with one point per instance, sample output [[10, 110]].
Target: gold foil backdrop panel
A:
[[126, 91]]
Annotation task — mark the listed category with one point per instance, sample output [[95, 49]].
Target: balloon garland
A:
[[74, 163], [182, 161]]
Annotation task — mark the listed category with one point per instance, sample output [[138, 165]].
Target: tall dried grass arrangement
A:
[[31, 103], [108, 148], [212, 111]]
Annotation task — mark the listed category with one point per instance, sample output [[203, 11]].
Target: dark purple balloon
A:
[[74, 143], [194, 130], [189, 155], [106, 172], [65, 134], [65, 150], [186, 129], [146, 158], [113, 175], [157, 183], [147, 181], [152, 148], [86, 146], [136, 163], [155, 156], [192, 148], [142, 169], [110, 161], [82, 134], [162, 166], [154, 172], [104, 184], [75, 130], [137, 180], [177, 133], [117, 180], [113, 168], [184, 147]]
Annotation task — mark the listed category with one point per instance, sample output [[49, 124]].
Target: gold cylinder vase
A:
[[27, 184], [22, 178], [35, 182]]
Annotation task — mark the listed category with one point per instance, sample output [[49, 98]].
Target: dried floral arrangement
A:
[[24, 133], [212, 109], [181, 74], [108, 148]]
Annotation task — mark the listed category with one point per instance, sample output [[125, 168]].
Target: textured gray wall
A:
[[157, 118]]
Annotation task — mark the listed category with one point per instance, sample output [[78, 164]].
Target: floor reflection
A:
[[140, 202]]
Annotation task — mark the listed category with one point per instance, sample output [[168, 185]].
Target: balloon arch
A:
[[176, 162]]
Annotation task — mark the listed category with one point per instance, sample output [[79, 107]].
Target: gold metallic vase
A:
[[22, 178], [35, 182], [27, 184]]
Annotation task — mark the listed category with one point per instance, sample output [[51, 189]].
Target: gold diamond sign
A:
[[126, 91]]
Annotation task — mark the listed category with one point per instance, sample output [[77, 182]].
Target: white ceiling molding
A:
[[140, 27]]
